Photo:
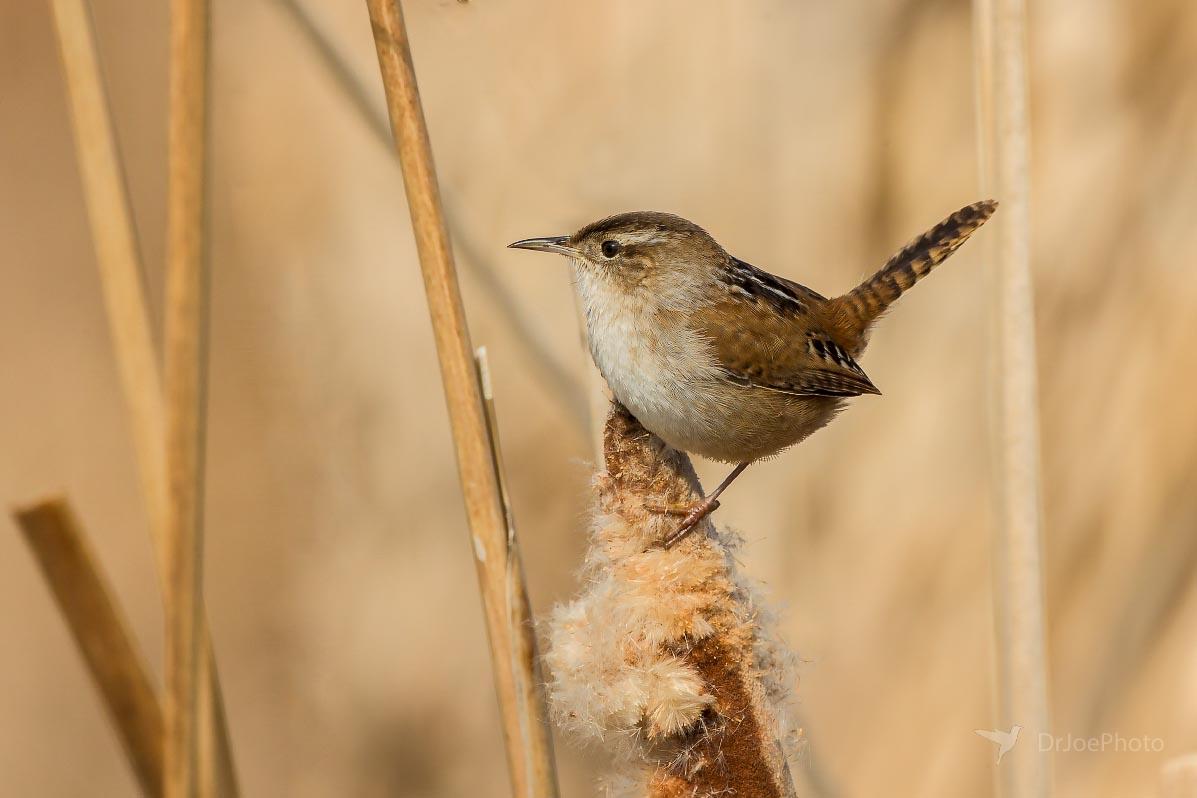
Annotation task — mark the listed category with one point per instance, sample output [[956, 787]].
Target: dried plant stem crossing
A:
[[122, 279], [476, 458], [101, 632]]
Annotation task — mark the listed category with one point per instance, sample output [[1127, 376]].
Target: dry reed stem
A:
[[187, 767], [525, 661], [668, 656], [1004, 130], [122, 278], [463, 393], [561, 385], [119, 671]]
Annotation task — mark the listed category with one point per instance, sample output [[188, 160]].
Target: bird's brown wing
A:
[[791, 353], [755, 285]]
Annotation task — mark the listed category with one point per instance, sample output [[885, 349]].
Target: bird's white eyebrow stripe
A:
[[642, 237]]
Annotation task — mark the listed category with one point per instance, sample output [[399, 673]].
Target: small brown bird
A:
[[717, 357]]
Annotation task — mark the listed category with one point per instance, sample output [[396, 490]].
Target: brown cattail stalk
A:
[[186, 320], [476, 457], [122, 278], [1004, 129], [669, 656], [101, 632]]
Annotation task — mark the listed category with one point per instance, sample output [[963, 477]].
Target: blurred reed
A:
[[189, 766], [1004, 146], [1155, 587], [512, 649], [114, 237], [101, 632], [122, 277], [1178, 777]]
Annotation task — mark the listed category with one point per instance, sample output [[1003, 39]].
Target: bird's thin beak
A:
[[549, 244]]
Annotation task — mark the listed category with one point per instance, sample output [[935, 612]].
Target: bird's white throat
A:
[[658, 377]]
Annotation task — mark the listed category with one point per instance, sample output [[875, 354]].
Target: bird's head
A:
[[644, 252]]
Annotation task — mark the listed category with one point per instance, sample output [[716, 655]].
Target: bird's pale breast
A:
[[667, 375]]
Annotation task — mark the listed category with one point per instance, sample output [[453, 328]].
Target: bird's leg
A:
[[694, 513], [686, 508]]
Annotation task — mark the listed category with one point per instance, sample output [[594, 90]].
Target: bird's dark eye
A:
[[610, 248]]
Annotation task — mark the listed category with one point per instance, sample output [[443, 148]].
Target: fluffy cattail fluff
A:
[[668, 657]]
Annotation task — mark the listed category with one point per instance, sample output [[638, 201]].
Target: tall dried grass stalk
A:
[[110, 216], [669, 656], [476, 456], [189, 768], [93, 615], [1004, 140]]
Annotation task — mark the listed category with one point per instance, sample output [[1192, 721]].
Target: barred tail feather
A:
[[860, 307]]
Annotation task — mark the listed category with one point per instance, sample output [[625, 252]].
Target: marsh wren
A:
[[717, 357]]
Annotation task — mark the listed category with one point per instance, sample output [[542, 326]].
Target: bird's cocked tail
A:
[[860, 307]]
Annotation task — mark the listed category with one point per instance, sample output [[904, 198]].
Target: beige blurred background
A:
[[812, 139]]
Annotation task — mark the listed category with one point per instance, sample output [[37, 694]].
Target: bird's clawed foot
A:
[[696, 511], [692, 514]]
